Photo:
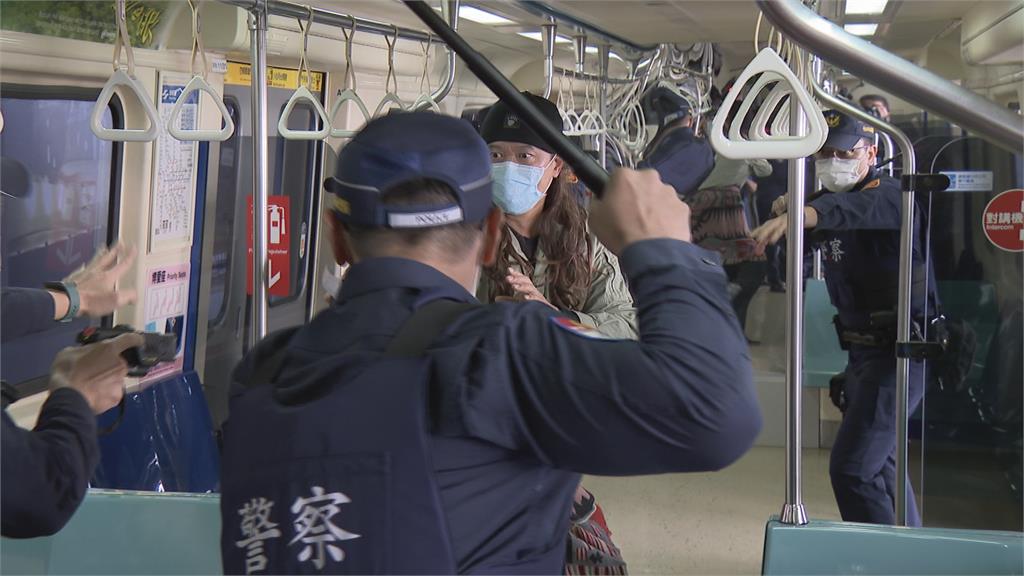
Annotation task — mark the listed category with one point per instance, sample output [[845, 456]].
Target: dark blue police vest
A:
[[862, 267], [342, 481]]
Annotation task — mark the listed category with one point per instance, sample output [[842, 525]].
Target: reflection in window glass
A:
[[57, 217]]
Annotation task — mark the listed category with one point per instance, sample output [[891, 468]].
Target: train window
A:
[[227, 178], [61, 212]]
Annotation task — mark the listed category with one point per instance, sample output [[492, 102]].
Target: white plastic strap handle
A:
[[759, 129], [781, 124], [391, 97], [776, 147], [390, 100], [303, 94], [426, 102], [349, 94], [121, 78], [198, 84], [752, 94], [124, 77]]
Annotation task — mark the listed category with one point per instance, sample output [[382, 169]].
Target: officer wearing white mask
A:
[[856, 218]]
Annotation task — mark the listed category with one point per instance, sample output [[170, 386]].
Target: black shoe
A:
[[777, 287]]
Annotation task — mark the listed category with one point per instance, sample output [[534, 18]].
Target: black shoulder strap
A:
[[9, 394], [413, 338], [266, 368], [424, 326]]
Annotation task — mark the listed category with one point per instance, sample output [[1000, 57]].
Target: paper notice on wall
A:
[[167, 312], [174, 175]]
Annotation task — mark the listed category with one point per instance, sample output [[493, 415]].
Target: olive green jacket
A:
[[609, 306]]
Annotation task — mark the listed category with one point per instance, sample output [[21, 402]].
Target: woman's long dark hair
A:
[[562, 234]]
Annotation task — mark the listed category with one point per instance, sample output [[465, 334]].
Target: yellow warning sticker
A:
[[240, 74]]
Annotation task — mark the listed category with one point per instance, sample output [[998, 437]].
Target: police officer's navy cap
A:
[[845, 132], [503, 125], [399, 148], [663, 105]]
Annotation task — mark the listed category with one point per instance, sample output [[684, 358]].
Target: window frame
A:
[[234, 108]]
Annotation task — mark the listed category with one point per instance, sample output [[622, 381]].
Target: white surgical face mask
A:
[[838, 175]]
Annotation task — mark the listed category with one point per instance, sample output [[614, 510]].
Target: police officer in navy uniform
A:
[[856, 218], [409, 428], [681, 158]]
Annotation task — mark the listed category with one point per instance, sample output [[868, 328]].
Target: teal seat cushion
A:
[[116, 532], [823, 358], [826, 548]]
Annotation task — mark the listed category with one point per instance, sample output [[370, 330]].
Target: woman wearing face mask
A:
[[547, 254], [857, 220]]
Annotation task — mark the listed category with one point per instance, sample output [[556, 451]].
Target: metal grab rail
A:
[[905, 283], [890, 72], [291, 10], [543, 10]]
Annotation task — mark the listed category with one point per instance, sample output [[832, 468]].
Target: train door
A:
[[294, 175], [972, 429]]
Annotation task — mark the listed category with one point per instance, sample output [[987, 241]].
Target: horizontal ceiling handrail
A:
[[900, 77]]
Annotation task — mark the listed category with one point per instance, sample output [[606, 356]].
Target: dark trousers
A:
[[748, 276], [775, 265], [863, 465]]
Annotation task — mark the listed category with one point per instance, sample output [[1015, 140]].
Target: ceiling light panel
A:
[[865, 6], [481, 16], [537, 36], [861, 29]]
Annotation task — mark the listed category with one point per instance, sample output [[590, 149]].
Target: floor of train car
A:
[[714, 523]]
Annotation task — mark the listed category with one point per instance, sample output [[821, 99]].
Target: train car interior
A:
[[167, 124]]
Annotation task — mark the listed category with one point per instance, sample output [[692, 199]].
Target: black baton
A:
[[586, 168]]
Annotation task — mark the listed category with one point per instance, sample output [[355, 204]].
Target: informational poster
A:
[[1004, 221], [970, 181], [278, 246], [85, 19], [174, 180], [167, 312], [240, 74]]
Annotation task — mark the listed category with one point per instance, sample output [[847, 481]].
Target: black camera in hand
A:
[[155, 349]]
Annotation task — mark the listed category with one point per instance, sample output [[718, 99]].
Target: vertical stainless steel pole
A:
[[548, 33], [604, 52], [260, 179], [903, 335], [793, 511]]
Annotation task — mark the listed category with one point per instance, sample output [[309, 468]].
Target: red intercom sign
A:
[[278, 247], [1004, 221]]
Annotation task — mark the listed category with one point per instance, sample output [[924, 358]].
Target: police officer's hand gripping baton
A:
[[586, 168]]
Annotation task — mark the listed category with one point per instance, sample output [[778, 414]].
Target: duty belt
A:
[[881, 333]]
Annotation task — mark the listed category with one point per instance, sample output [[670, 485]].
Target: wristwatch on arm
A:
[[70, 290]]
